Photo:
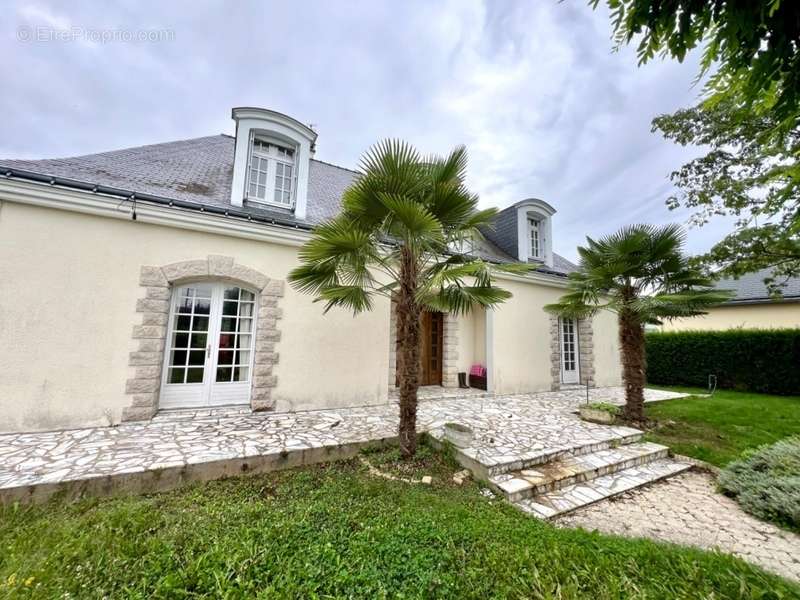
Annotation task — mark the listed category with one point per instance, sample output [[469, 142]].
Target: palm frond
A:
[[460, 299], [354, 297]]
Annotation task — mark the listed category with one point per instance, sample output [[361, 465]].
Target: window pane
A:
[[176, 375], [248, 296], [197, 357], [200, 324], [178, 358], [183, 322], [252, 191], [246, 309], [229, 308], [180, 340], [199, 340], [245, 325], [242, 357], [232, 293], [202, 307], [194, 375], [240, 373], [226, 340], [223, 374], [228, 324], [243, 341], [184, 305], [225, 357]]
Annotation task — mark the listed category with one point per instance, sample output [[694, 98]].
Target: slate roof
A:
[[200, 171], [750, 288]]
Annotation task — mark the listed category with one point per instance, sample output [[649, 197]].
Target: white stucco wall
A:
[[750, 316], [471, 340], [607, 365], [68, 289], [521, 344], [67, 307]]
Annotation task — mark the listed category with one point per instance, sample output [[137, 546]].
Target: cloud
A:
[[545, 107]]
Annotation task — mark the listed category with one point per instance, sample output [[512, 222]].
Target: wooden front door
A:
[[431, 338]]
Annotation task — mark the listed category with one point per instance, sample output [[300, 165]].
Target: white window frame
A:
[[273, 154], [535, 239]]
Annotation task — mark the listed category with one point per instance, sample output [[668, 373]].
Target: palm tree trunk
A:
[[408, 324], [631, 341]]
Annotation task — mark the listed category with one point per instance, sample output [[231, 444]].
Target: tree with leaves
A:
[[749, 117], [748, 172], [400, 234], [754, 45], [641, 274]]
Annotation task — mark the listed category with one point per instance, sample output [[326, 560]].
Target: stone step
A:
[[552, 476], [578, 495], [616, 437]]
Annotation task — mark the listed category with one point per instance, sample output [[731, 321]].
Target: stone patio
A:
[[179, 447]]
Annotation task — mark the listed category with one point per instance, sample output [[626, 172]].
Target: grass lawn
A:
[[719, 428], [333, 531]]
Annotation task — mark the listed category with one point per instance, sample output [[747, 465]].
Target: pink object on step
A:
[[478, 370]]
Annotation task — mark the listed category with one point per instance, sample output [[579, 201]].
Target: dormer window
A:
[[271, 173], [534, 228], [271, 162]]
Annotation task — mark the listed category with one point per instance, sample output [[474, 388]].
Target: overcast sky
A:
[[533, 89]]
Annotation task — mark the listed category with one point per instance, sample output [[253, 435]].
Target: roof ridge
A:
[[336, 166], [107, 152]]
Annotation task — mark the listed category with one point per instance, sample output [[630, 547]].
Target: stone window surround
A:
[[449, 349], [585, 352], [150, 336]]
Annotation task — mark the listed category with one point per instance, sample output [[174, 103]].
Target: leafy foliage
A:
[[766, 482], [333, 531], [402, 201], [639, 269], [755, 45], [749, 171], [764, 361]]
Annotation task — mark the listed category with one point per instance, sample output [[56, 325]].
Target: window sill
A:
[[269, 205]]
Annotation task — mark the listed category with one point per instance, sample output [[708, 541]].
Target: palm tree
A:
[[641, 274], [402, 232]]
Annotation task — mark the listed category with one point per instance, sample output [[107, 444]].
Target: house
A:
[[154, 278], [751, 306]]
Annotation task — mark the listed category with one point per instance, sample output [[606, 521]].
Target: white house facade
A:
[[154, 278]]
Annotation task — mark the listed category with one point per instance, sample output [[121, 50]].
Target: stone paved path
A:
[[505, 427], [687, 510]]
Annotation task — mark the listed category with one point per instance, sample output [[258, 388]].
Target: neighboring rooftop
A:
[[200, 171], [751, 289]]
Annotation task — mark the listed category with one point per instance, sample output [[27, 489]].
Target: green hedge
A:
[[753, 360]]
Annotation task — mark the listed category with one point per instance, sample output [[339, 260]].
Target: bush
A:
[[762, 361], [766, 482]]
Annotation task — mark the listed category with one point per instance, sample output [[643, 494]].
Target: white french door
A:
[[570, 368], [209, 355]]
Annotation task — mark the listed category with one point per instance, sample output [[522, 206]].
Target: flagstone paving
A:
[[686, 509], [509, 431]]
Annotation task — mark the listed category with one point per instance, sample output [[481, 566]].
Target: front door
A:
[[570, 370], [208, 359], [431, 336]]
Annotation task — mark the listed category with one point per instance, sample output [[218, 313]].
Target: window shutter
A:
[[249, 164], [294, 176]]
